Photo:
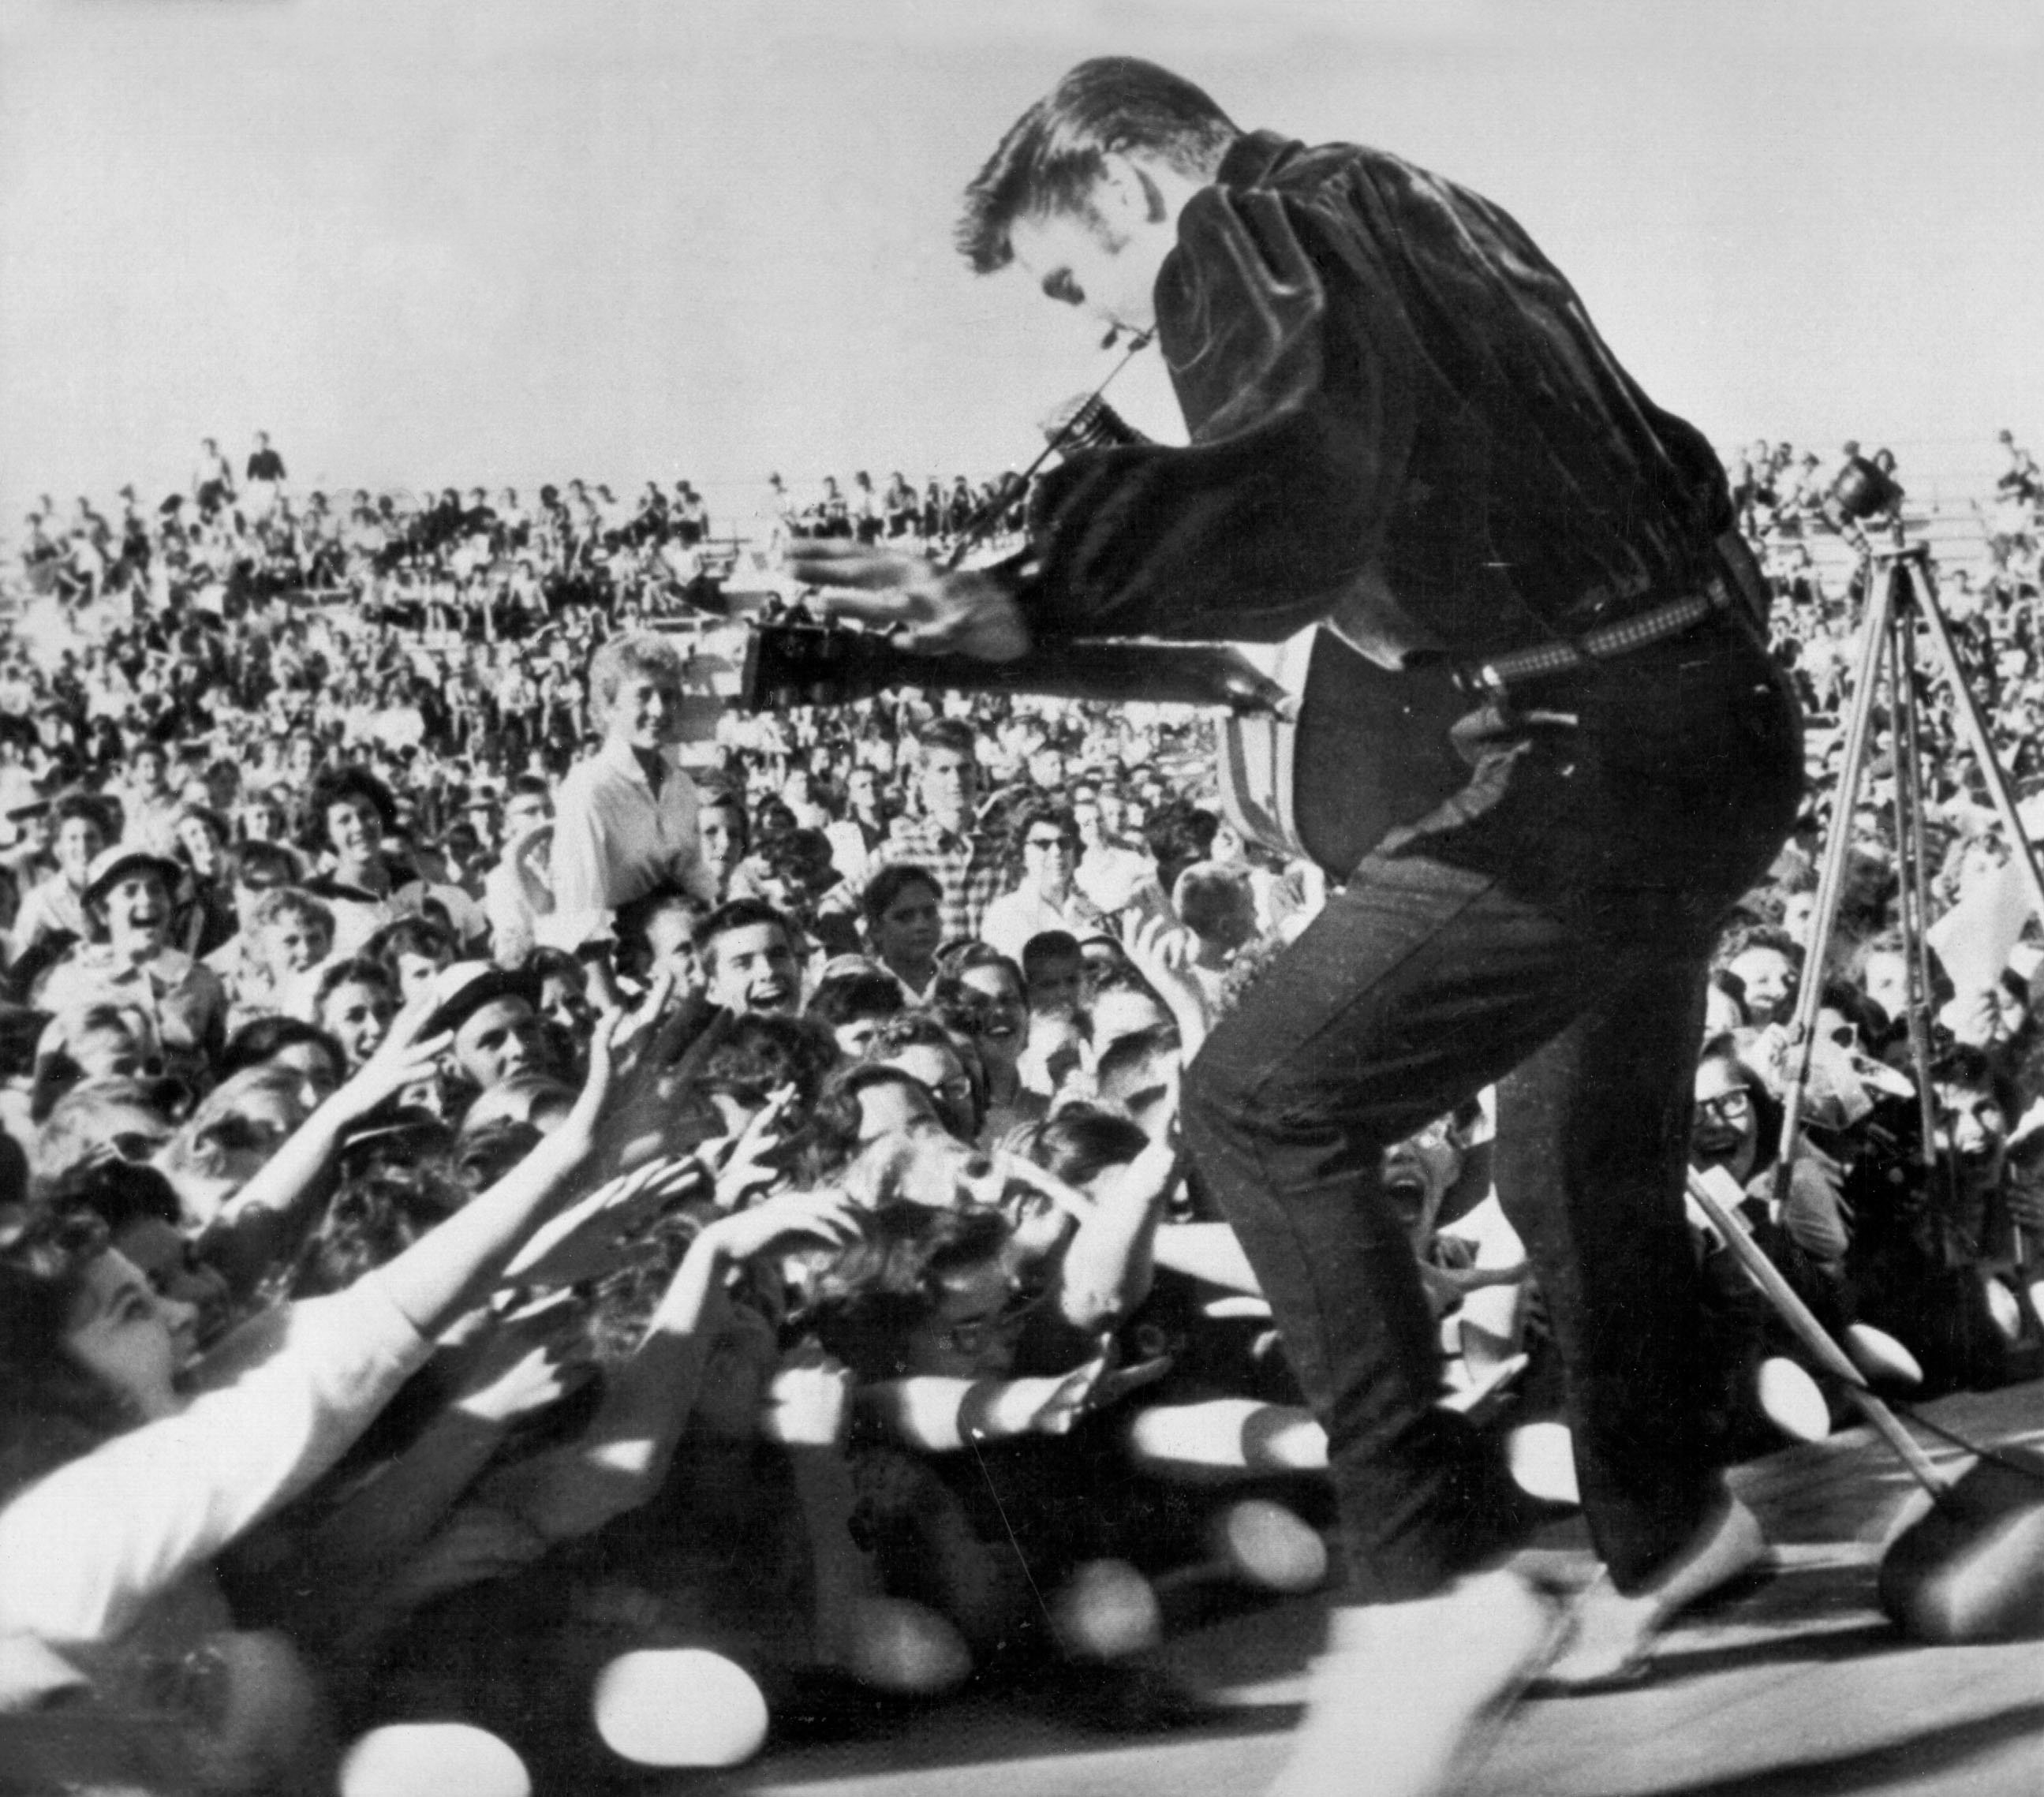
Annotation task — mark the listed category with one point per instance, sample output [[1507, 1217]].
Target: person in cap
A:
[[129, 896], [493, 1014]]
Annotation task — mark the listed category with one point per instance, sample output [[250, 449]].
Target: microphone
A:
[[1087, 421], [1137, 339]]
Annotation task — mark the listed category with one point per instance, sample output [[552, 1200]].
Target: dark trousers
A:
[[1551, 933]]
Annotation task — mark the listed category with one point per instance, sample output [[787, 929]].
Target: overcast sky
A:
[[426, 243]]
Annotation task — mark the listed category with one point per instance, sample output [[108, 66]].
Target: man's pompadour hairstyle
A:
[[1054, 153]]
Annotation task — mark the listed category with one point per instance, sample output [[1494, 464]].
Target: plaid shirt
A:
[[972, 869]]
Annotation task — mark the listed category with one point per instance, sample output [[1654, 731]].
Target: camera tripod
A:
[[1900, 594]]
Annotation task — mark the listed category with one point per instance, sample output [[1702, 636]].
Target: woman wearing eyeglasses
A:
[[1047, 848], [1732, 1105]]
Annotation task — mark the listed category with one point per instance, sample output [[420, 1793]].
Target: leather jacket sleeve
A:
[[1296, 373]]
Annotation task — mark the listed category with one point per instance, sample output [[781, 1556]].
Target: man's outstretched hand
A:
[[931, 610]]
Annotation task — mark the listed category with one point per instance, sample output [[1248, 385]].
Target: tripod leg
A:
[[1911, 848], [1968, 711], [1974, 726], [1830, 882]]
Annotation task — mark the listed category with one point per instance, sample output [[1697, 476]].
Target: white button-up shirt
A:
[[615, 839]]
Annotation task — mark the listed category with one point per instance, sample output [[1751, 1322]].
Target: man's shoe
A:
[[1613, 1636], [1406, 1695]]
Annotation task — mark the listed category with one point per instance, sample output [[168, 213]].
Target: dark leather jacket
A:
[[1402, 421]]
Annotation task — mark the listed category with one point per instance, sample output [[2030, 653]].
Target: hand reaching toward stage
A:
[[530, 1363], [598, 1234], [929, 609], [742, 1165], [1161, 948]]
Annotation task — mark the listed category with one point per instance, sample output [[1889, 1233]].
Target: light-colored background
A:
[[513, 240]]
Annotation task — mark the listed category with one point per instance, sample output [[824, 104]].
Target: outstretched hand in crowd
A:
[[597, 1234], [1161, 948]]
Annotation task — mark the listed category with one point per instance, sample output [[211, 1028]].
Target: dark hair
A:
[[1119, 976], [380, 1210], [408, 936], [890, 883], [1736, 940], [354, 969], [920, 1029], [1126, 1054], [1978, 1070], [908, 1029], [959, 958], [56, 1409], [849, 997], [1767, 1107], [798, 856], [330, 786], [740, 914], [962, 1008], [1050, 158], [835, 1122], [1047, 945], [118, 1192], [86, 805], [557, 964], [1033, 816], [484, 1153], [1180, 834], [951, 733], [893, 1277], [250, 855], [773, 818], [727, 798], [1082, 1141], [760, 1053], [633, 923], [222, 835], [256, 1043]]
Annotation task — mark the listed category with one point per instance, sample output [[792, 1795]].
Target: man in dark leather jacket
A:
[[1403, 426]]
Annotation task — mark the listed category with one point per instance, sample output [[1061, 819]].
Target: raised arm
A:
[[264, 1221], [451, 1267], [1303, 421], [622, 1458]]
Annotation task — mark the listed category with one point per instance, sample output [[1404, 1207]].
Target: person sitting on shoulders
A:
[[626, 818]]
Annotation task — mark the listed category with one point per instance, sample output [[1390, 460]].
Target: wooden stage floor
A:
[[1796, 1688]]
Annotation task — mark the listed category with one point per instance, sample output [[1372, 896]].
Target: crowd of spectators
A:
[[503, 1223]]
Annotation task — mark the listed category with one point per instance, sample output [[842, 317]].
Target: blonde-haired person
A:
[[625, 818]]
